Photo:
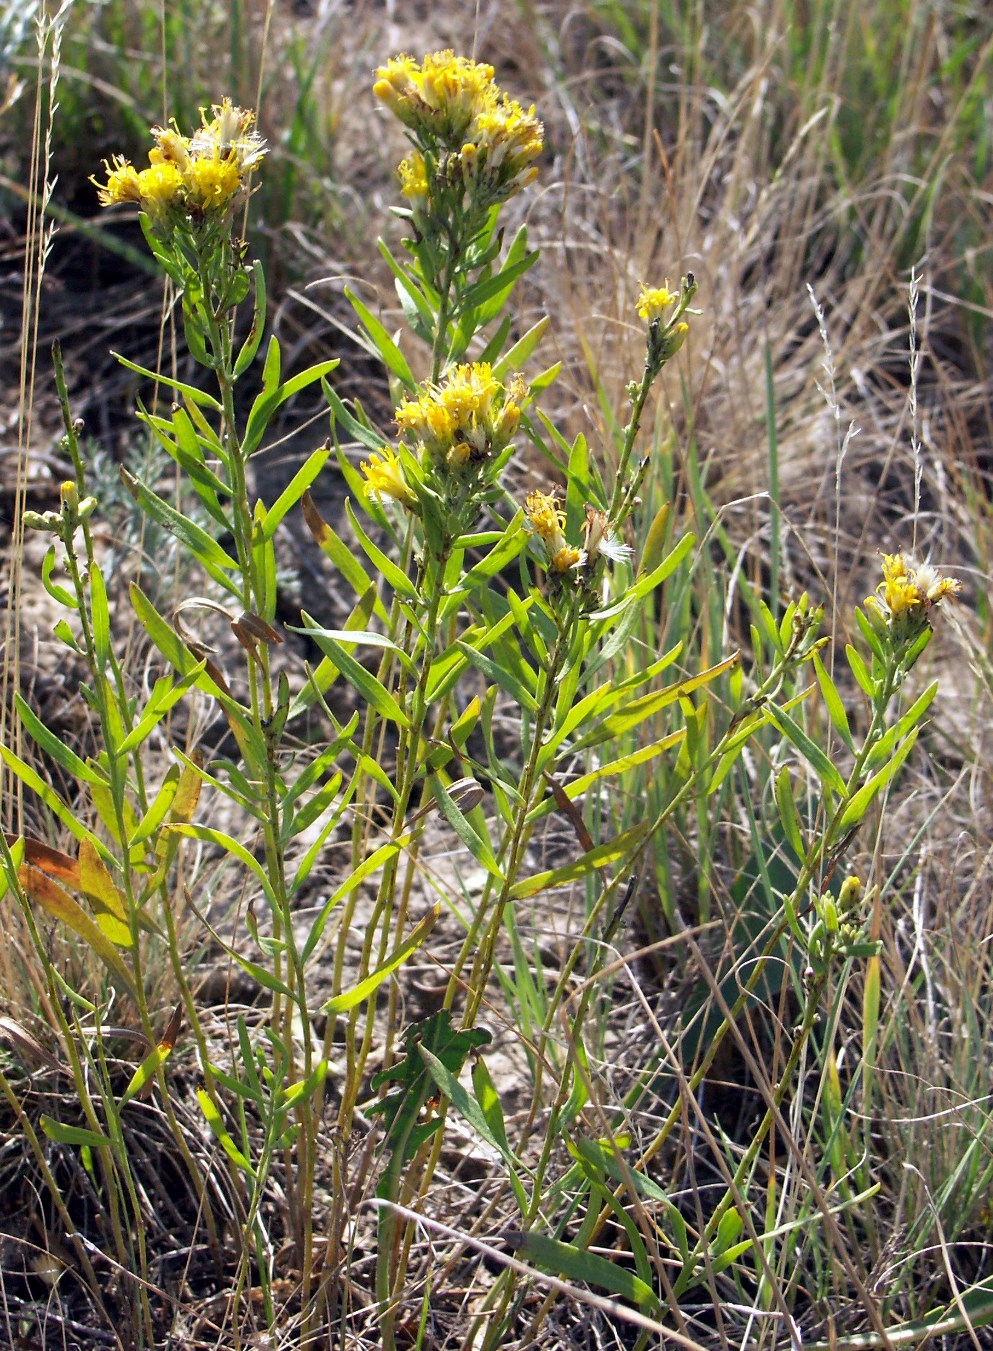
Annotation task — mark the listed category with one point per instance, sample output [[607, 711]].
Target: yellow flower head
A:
[[229, 134], [653, 301], [121, 185], [190, 177], [212, 183], [414, 179], [161, 188], [908, 592], [437, 98], [467, 417], [170, 146], [565, 559], [459, 116], [547, 520], [548, 523], [385, 478], [502, 143]]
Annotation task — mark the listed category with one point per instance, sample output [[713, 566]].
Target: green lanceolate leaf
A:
[[470, 837], [72, 1135], [221, 1133], [522, 349], [562, 1259], [358, 875], [609, 852], [57, 593], [84, 770], [348, 999], [271, 398], [339, 553], [483, 1113], [861, 801], [294, 490], [358, 430], [395, 575], [251, 344], [832, 702], [788, 813], [638, 710], [508, 679], [381, 344], [203, 546], [412, 1083], [362, 681], [818, 760], [197, 396]]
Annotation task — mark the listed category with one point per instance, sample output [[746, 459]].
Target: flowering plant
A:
[[471, 603]]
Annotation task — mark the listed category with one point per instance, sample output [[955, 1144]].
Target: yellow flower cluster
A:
[[666, 335], [480, 138], [548, 523], [908, 593], [196, 177], [441, 96], [653, 301], [385, 478], [466, 418]]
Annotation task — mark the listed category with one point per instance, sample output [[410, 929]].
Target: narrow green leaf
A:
[[486, 1121], [489, 1104], [69, 818], [205, 548], [361, 638], [827, 773], [348, 999], [859, 804], [270, 399], [647, 583], [221, 1132], [354, 879], [85, 771], [251, 344], [833, 703], [294, 490], [869, 634], [493, 671], [198, 396], [194, 831], [410, 293], [164, 696], [516, 356], [473, 841], [72, 1135], [357, 430], [497, 288], [621, 846], [147, 1070], [361, 680], [623, 765], [562, 1259], [638, 710], [788, 813], [382, 343], [395, 575], [57, 593], [99, 617], [340, 554]]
